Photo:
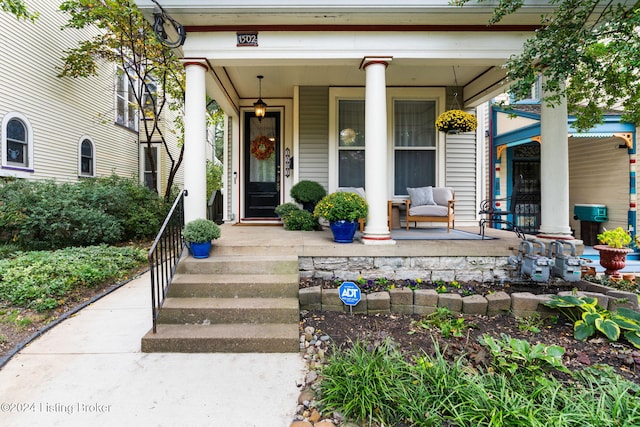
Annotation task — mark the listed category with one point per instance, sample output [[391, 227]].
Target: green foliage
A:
[[307, 191], [589, 318], [301, 220], [214, 177], [41, 280], [18, 9], [374, 385], [592, 46], [46, 215], [286, 208], [361, 382], [531, 323], [444, 320], [341, 206], [127, 39], [616, 238], [201, 230], [511, 354]]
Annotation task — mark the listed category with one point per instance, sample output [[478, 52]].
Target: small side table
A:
[[393, 214]]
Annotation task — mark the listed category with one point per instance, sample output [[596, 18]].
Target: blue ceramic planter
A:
[[200, 250], [343, 231]]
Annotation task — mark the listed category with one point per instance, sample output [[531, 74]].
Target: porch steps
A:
[[232, 304]]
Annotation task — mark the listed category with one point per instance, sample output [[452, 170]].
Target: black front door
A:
[[261, 165]]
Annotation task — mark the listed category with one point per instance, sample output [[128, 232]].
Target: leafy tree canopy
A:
[[126, 38], [591, 46], [18, 8]]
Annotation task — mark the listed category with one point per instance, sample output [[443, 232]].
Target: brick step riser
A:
[[237, 266], [233, 290], [221, 345], [227, 316]]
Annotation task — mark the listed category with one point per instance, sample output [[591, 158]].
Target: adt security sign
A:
[[349, 293]]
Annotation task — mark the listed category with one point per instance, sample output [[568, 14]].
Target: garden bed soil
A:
[[413, 339]]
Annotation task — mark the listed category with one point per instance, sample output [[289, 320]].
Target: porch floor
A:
[[252, 239]]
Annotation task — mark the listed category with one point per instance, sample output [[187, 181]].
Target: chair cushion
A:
[[441, 195], [421, 196], [358, 190], [428, 210]]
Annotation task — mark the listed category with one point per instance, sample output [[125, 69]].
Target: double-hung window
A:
[[126, 104], [351, 143], [414, 144]]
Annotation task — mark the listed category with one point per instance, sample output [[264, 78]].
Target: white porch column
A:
[[195, 137], [375, 161], [554, 172]]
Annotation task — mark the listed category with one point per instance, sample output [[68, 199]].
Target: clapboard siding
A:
[[314, 135], [599, 174], [60, 110], [460, 151]]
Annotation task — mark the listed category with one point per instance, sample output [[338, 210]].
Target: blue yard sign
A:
[[349, 293]]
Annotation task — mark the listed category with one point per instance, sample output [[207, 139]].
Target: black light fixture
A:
[[259, 106]]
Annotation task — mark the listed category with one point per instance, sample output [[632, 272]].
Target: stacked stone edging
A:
[[427, 268], [426, 301]]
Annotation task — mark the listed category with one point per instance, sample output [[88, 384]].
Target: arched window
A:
[[86, 160], [17, 142]]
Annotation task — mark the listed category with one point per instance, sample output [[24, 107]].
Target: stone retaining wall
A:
[[425, 301], [447, 268]]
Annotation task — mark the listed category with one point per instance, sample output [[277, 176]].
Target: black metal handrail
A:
[[165, 254]]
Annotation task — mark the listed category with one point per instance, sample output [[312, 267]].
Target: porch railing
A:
[[165, 254]]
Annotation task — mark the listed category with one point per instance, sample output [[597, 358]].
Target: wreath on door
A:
[[262, 147]]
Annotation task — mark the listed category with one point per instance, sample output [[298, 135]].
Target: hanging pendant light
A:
[[259, 106]]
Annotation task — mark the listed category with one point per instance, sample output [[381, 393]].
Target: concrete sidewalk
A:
[[89, 370]]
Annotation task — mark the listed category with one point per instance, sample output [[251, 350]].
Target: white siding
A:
[[60, 110], [460, 152], [599, 174], [313, 161]]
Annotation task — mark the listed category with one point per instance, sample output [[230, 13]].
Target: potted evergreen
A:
[[307, 193], [614, 249], [198, 234]]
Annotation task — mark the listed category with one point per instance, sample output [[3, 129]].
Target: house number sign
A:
[[247, 39]]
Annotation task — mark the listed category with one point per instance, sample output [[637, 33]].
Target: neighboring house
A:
[[352, 90], [601, 168], [61, 128]]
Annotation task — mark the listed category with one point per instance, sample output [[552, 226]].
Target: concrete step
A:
[[237, 338], [229, 310], [234, 286], [233, 264]]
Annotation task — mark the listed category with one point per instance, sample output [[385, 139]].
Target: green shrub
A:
[[286, 208], [214, 177], [300, 220], [201, 231], [42, 280], [47, 215], [307, 192]]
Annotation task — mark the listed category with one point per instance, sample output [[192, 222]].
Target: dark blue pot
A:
[[343, 231], [200, 250]]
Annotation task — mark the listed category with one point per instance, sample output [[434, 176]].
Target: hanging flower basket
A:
[[456, 121], [262, 147]]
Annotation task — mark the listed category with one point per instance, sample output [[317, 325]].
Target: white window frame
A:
[[143, 161], [122, 80], [93, 157], [411, 93], [8, 168]]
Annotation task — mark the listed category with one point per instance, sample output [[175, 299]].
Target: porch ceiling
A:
[[447, 38]]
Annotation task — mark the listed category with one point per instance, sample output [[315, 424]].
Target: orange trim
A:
[[188, 63]]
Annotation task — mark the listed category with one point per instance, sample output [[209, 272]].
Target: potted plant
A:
[[307, 193], [456, 121], [614, 249], [342, 210], [198, 234]]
